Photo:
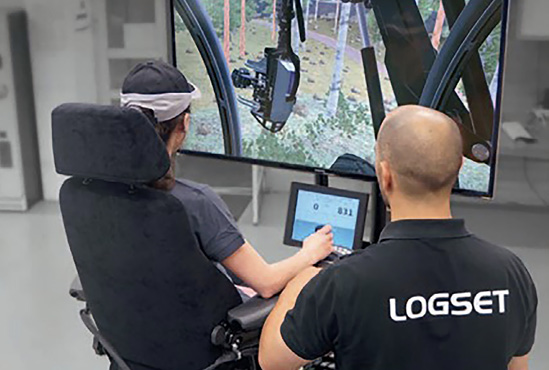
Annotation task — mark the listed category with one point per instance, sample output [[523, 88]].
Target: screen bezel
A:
[[363, 199], [489, 194]]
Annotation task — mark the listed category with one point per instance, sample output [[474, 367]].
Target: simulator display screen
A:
[[331, 124], [314, 210]]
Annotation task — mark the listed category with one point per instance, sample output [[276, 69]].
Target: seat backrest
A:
[[153, 293]]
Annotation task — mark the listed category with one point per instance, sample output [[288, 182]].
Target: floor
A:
[[40, 324]]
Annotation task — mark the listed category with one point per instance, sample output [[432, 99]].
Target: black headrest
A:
[[107, 143]]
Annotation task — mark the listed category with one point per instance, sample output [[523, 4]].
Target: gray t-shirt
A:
[[213, 224]]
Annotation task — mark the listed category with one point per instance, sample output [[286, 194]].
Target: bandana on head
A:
[[165, 106]]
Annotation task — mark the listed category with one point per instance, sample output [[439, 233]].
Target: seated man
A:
[[429, 295], [164, 95]]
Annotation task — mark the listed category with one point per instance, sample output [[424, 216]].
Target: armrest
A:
[[251, 315], [76, 290]]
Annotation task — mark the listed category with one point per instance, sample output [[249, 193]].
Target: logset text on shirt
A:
[[446, 304]]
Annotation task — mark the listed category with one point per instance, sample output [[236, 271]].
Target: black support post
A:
[[373, 84]]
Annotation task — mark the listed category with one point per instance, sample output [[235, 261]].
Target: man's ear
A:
[[386, 177]]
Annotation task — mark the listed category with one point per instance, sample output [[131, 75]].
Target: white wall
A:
[[12, 189], [526, 74], [11, 3], [532, 16]]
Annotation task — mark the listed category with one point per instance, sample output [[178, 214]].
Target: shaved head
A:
[[423, 149]]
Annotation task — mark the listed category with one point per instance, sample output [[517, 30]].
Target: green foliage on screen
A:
[[275, 148], [426, 7], [348, 119], [490, 53], [178, 24]]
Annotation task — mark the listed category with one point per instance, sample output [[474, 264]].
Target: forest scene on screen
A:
[[332, 115]]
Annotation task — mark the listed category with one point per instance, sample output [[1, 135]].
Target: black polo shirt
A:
[[429, 295]]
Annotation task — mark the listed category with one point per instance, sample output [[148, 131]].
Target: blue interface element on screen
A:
[[315, 209]]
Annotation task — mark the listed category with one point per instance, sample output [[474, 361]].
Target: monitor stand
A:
[[321, 179]]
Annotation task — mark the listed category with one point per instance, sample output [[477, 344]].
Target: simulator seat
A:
[[153, 301]]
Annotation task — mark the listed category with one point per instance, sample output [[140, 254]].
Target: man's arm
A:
[[269, 279], [518, 363], [273, 352]]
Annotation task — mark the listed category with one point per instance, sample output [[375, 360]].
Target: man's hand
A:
[[319, 245]]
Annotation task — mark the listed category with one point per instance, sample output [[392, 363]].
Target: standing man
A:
[[429, 295]]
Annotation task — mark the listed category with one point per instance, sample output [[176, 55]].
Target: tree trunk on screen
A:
[[295, 36], [227, 30], [439, 25], [494, 85], [362, 18], [273, 32], [243, 28], [317, 2], [307, 13], [335, 85], [337, 15]]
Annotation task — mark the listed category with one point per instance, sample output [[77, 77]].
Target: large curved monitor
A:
[[358, 62]]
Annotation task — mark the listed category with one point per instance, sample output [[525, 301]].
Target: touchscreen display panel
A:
[[314, 210]]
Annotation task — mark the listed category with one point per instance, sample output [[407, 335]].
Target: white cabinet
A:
[[11, 181], [534, 19], [20, 183]]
